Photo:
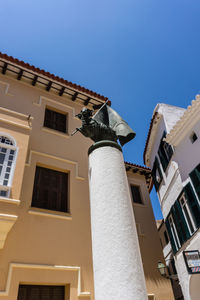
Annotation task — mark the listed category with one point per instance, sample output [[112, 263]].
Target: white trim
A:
[[174, 232], [12, 266], [32, 152], [185, 204], [12, 167], [48, 213], [10, 137]]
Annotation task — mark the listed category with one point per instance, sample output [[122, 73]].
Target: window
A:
[[136, 195], [195, 178], [187, 214], [192, 201], [156, 174], [174, 232], [50, 190], [165, 152], [7, 160], [166, 237], [193, 137], [178, 226], [55, 120], [41, 292], [180, 223]]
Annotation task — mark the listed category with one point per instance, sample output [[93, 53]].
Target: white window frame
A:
[[7, 146], [185, 204], [174, 232]]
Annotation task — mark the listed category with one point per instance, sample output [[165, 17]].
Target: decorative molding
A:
[[51, 214], [6, 223], [56, 132], [9, 200], [15, 124], [46, 99], [12, 266], [185, 123], [7, 86], [21, 120], [32, 152]]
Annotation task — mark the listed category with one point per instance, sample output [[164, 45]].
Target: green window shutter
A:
[[155, 170], [183, 231], [165, 152], [193, 204], [195, 177], [162, 156], [170, 236], [169, 150]]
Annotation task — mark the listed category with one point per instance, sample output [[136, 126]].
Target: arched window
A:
[[7, 162]]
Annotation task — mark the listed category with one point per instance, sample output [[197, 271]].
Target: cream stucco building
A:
[[45, 235]]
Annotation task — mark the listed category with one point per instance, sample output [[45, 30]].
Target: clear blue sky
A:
[[136, 52]]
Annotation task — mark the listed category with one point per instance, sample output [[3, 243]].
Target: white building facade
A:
[[173, 152]]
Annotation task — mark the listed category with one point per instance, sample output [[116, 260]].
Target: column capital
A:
[[104, 143]]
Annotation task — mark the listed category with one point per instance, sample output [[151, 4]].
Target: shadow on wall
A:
[[194, 287]]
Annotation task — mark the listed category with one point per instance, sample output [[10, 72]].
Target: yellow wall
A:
[[46, 247], [149, 242]]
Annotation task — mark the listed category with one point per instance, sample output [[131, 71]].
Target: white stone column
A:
[[118, 271]]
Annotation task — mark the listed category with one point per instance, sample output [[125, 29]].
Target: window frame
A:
[[40, 287], [165, 152], [7, 163], [174, 232], [55, 112], [35, 191], [155, 169], [193, 137], [188, 214], [166, 237], [140, 194]]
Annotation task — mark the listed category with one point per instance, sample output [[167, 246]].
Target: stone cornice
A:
[[185, 123]]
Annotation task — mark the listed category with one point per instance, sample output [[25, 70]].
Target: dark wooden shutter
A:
[[41, 292], [162, 156], [168, 150], [165, 152], [193, 204], [170, 236], [136, 196], [156, 168], [50, 190], [55, 120], [181, 225]]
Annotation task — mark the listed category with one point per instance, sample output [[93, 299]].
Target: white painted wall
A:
[[187, 154], [185, 158]]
